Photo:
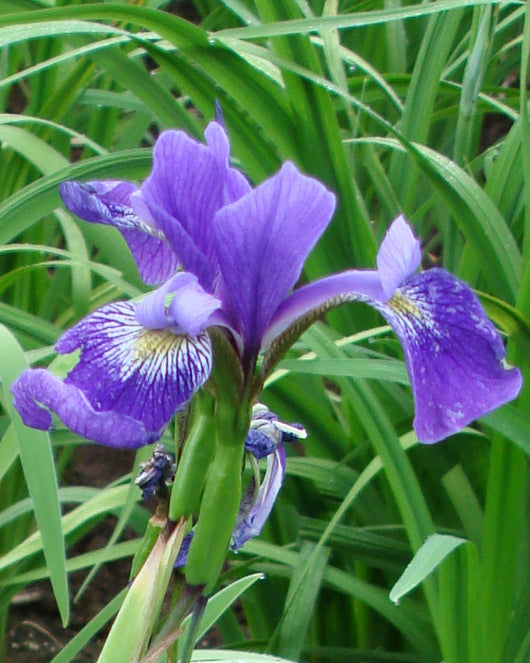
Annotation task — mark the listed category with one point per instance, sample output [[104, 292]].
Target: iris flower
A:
[[227, 255]]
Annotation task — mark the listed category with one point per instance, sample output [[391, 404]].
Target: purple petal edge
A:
[[109, 202], [37, 391], [330, 291]]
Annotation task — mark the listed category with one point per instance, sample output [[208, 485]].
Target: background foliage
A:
[[397, 107]]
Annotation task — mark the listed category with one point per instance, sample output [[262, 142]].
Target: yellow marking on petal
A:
[[153, 341], [403, 305]]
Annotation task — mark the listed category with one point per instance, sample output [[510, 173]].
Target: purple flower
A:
[[239, 251], [228, 255]]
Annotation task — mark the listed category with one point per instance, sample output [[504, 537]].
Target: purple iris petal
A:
[[454, 355], [125, 373], [180, 303], [262, 241], [188, 184], [318, 297], [37, 392], [109, 202], [236, 184], [250, 524], [399, 255]]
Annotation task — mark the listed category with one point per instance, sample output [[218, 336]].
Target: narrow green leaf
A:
[[22, 33], [377, 369], [222, 600], [300, 602], [513, 423], [39, 469], [425, 561], [357, 19], [213, 655], [104, 502], [8, 450]]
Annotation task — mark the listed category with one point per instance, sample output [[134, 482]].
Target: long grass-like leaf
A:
[[39, 470]]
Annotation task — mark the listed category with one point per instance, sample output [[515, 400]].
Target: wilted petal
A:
[[182, 556], [156, 473], [109, 202], [267, 432], [125, 372], [262, 241], [250, 525], [454, 355], [399, 255], [180, 303]]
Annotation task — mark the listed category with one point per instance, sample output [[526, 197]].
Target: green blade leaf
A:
[[431, 554], [39, 469]]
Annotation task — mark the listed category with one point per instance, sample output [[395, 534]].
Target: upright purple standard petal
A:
[[128, 383], [189, 183], [236, 184], [454, 355], [109, 202], [262, 241]]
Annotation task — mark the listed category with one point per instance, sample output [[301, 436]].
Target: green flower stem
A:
[[196, 457]]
